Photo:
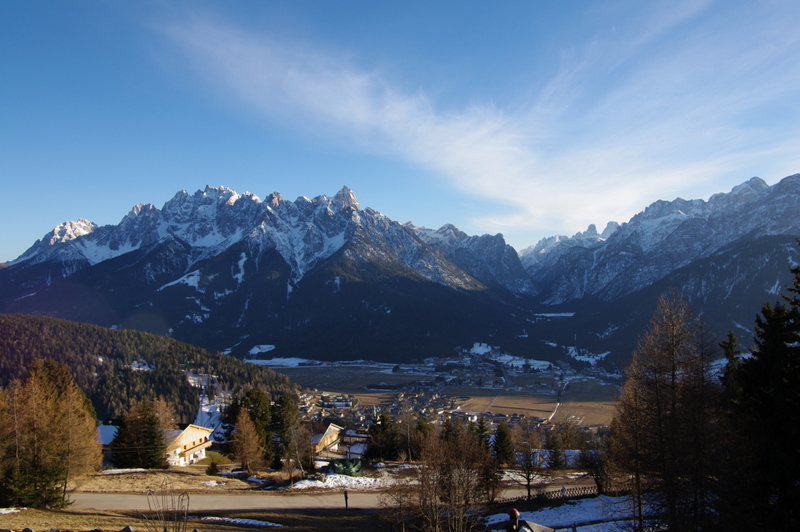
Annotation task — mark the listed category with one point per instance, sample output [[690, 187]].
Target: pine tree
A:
[[482, 430], [384, 441], [140, 439], [287, 417], [555, 456], [81, 450], [503, 447], [257, 405], [765, 401]]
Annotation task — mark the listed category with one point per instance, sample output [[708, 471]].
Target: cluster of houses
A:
[[188, 445]]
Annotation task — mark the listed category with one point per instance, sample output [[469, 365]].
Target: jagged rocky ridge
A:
[[303, 232], [663, 238], [225, 270], [324, 278]]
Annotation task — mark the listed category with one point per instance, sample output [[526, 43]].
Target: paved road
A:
[[241, 501]]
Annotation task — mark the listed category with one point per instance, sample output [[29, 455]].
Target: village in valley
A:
[[476, 384]]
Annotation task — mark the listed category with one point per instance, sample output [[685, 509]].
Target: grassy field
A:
[[301, 521], [591, 402], [347, 379], [504, 402]]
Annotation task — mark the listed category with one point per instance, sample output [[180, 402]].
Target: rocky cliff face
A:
[[326, 278], [666, 236], [217, 268]]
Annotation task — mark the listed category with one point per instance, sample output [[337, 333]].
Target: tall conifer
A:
[[765, 401], [51, 437]]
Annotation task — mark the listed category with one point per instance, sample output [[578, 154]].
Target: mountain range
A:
[[326, 279]]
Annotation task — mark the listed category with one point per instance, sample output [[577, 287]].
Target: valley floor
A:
[[589, 400]]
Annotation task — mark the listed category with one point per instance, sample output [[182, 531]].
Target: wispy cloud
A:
[[627, 118]]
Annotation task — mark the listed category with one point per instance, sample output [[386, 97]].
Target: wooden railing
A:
[[576, 492]]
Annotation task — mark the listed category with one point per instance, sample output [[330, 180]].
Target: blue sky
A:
[[517, 117]]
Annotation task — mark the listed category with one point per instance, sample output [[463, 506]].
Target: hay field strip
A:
[[587, 400]]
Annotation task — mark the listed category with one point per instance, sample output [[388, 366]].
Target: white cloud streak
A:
[[626, 120]]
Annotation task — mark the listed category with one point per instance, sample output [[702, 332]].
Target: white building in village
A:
[[187, 446]]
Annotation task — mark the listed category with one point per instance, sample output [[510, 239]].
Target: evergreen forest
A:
[[118, 368]]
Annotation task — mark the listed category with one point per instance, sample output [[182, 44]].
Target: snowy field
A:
[[237, 521], [585, 514], [343, 481]]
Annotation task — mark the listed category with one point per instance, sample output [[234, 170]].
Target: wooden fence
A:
[[578, 492]]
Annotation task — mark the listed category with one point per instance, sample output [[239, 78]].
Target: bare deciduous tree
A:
[[529, 467], [455, 479]]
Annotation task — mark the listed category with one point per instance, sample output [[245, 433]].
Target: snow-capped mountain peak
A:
[[66, 231], [346, 197], [666, 236], [323, 275]]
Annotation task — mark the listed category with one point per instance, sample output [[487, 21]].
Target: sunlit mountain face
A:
[[324, 278]]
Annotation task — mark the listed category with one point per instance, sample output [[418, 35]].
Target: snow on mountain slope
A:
[[666, 236], [303, 232], [486, 257], [216, 268]]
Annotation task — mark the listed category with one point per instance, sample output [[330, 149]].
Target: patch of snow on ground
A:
[[191, 279], [591, 358], [210, 416], [4, 511], [256, 349], [239, 276], [479, 348], [506, 359], [343, 481], [255, 480], [238, 521], [539, 364], [141, 365], [602, 508], [518, 362], [123, 471], [213, 483]]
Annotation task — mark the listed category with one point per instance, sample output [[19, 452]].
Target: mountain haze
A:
[[325, 278]]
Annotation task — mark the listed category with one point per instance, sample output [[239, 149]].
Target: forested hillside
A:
[[118, 367]]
